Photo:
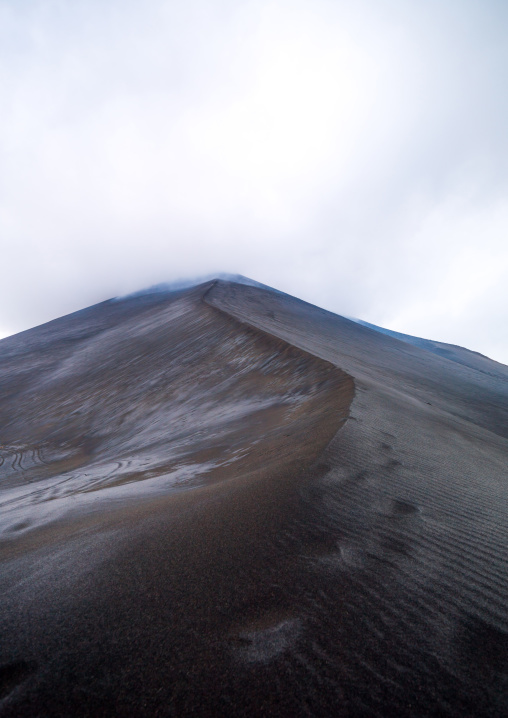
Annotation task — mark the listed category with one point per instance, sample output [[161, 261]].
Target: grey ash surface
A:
[[225, 501]]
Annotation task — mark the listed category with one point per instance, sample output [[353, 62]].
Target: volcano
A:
[[219, 500]]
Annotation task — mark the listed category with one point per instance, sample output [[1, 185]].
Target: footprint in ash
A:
[[265, 641]]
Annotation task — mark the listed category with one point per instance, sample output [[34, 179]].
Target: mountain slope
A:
[[226, 501], [468, 358]]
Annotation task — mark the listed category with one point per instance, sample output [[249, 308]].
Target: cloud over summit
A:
[[355, 157]]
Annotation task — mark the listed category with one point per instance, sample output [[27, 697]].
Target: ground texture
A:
[[225, 501]]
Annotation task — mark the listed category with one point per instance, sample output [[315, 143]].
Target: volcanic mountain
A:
[[223, 501]]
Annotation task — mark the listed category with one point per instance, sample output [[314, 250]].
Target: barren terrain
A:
[[226, 501]]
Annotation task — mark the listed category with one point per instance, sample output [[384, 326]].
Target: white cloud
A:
[[352, 155]]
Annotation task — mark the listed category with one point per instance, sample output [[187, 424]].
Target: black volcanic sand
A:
[[190, 528]]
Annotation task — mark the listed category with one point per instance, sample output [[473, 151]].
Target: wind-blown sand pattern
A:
[[225, 501]]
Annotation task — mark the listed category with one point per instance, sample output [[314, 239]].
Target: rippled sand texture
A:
[[225, 501]]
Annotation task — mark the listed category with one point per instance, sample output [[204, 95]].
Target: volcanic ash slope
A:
[[225, 501]]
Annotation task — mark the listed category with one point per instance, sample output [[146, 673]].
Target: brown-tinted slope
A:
[[153, 453]]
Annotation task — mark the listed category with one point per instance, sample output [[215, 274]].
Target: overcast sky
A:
[[352, 154]]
